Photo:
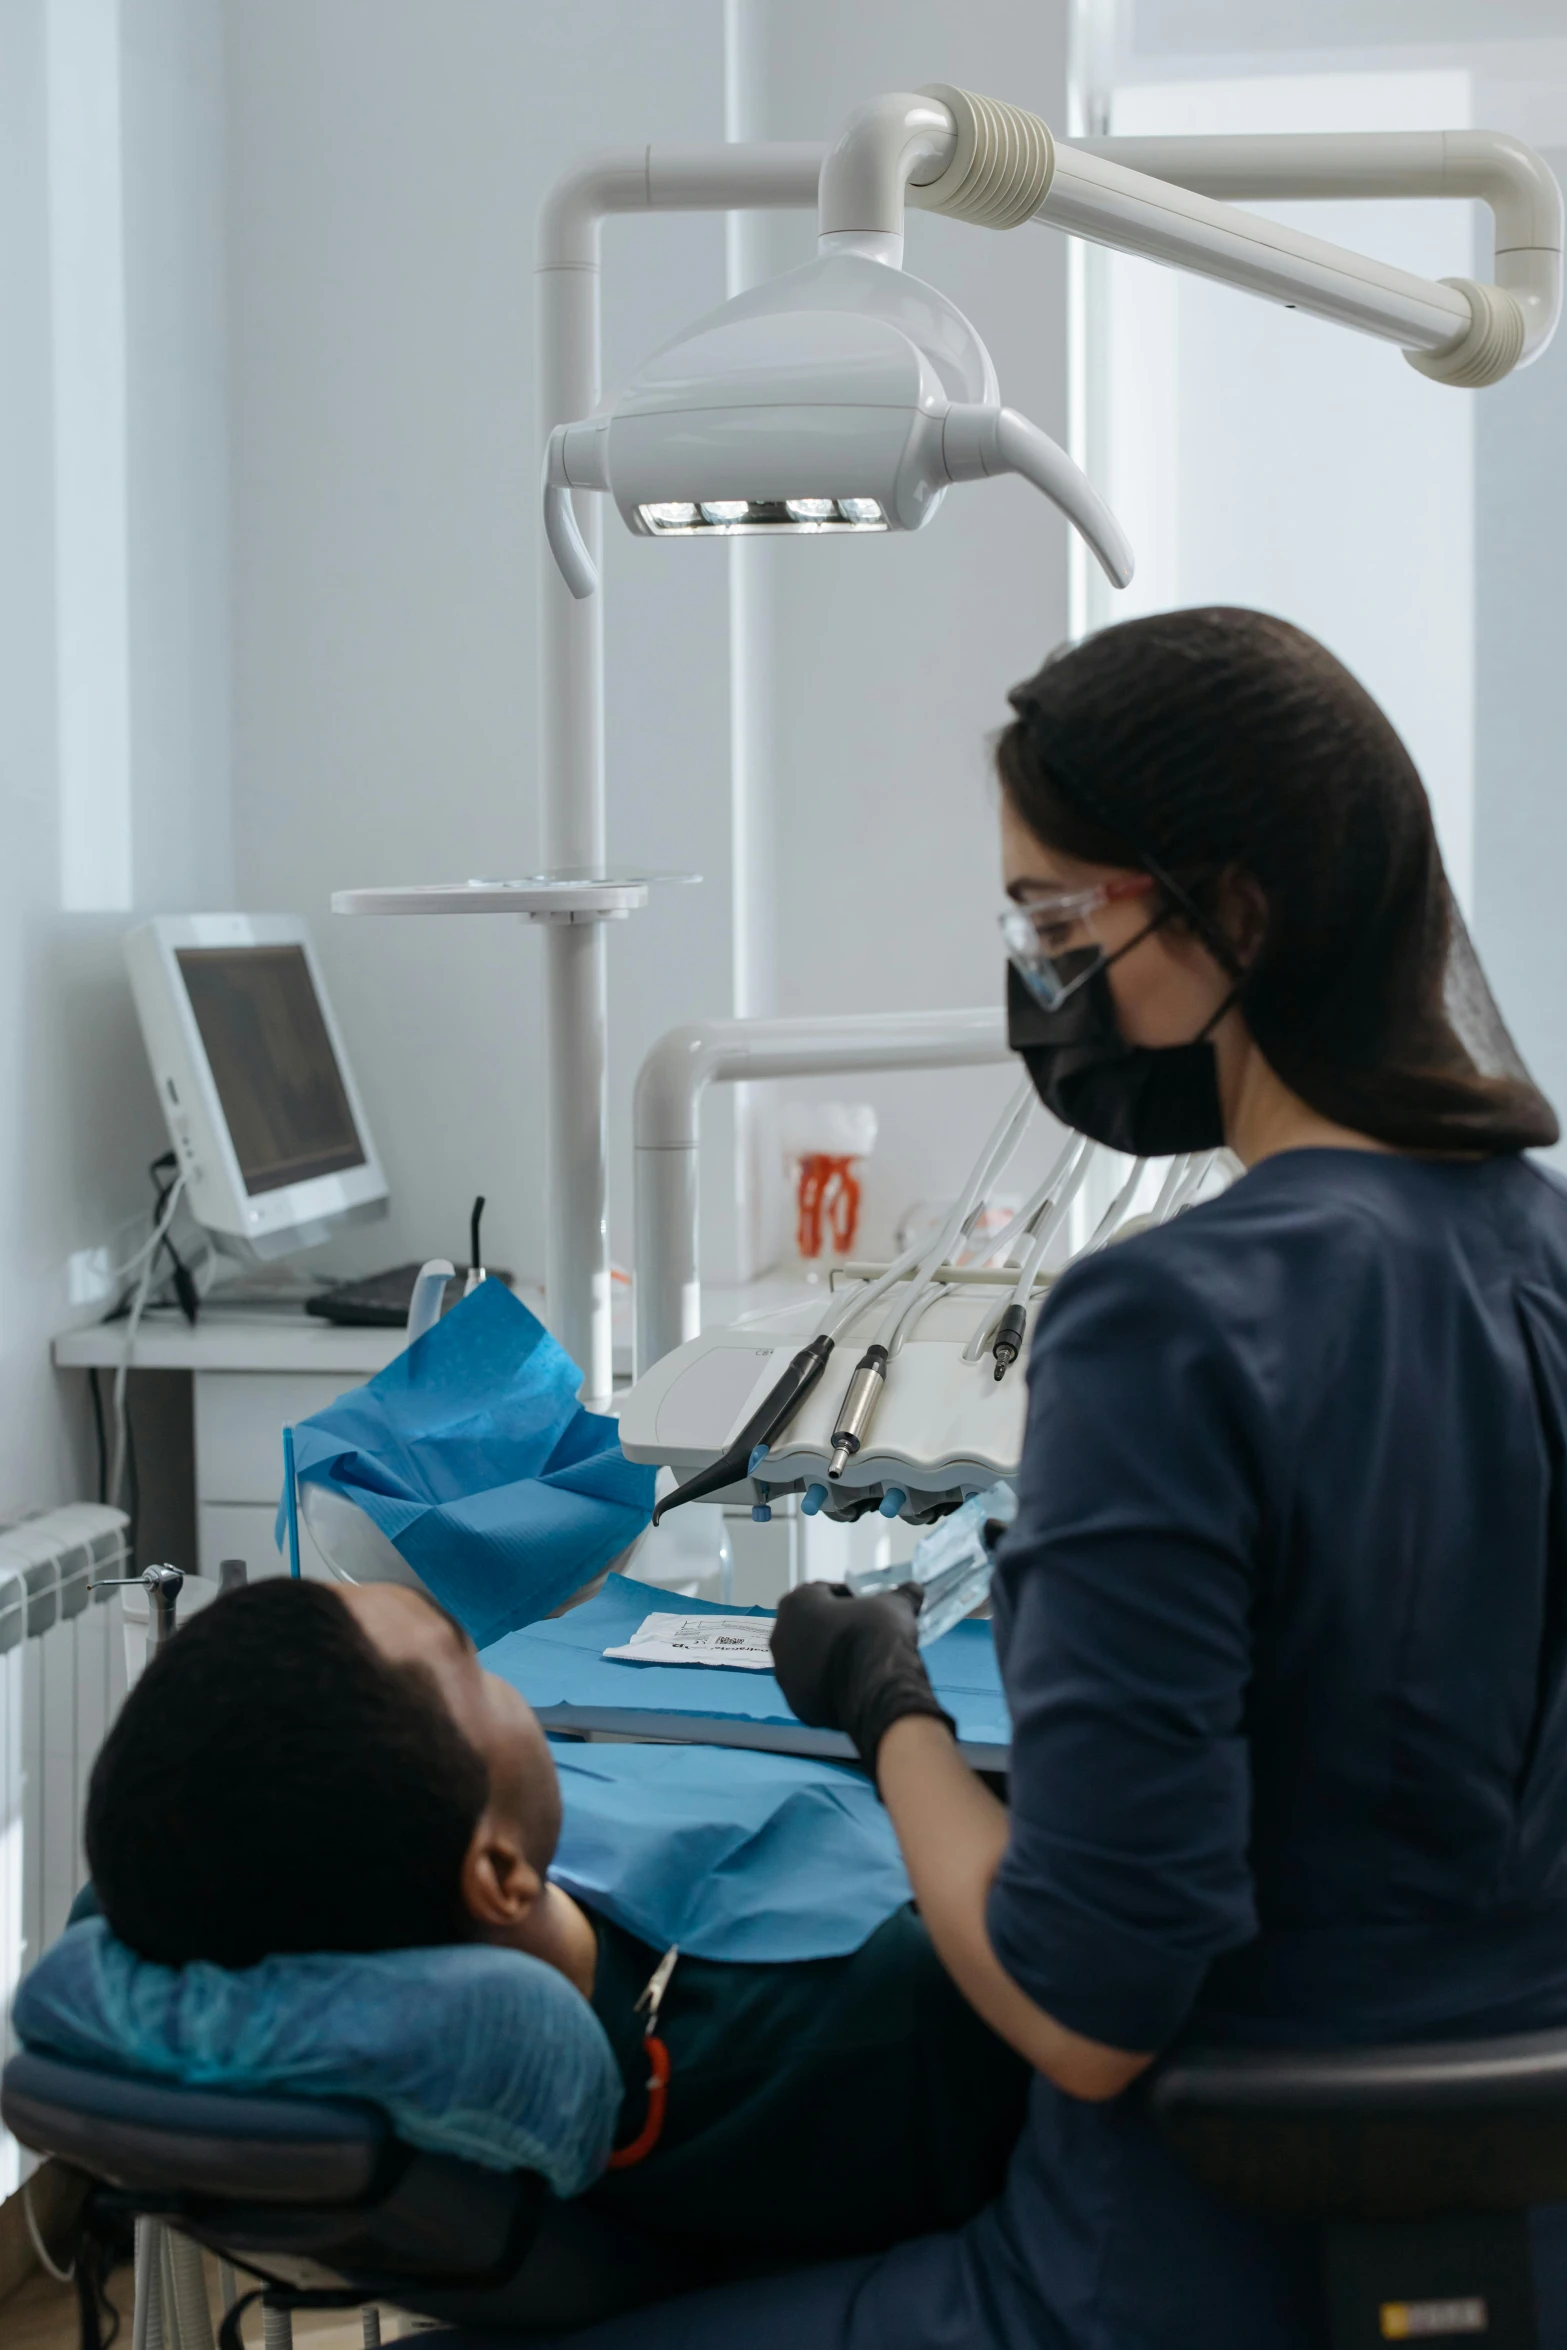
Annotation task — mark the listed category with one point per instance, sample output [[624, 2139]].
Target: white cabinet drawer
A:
[[240, 1418]]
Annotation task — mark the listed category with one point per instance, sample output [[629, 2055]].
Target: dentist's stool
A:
[[318, 2201], [1422, 2163]]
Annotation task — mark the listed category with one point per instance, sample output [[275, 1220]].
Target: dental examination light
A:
[[846, 397], [841, 400]]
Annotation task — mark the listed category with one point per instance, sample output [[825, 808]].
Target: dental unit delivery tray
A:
[[561, 1669]]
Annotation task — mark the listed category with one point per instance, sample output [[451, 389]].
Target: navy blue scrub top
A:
[[1281, 1619], [1283, 1628]]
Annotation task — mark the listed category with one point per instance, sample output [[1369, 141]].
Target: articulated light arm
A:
[[1515, 184], [828, 403], [1170, 199]]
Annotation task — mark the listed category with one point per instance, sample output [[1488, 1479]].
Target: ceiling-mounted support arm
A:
[[998, 165], [904, 135], [1515, 184]]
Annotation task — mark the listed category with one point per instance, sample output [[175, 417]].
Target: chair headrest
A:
[[148, 2135]]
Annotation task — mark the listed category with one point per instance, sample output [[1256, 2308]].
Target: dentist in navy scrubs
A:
[[1282, 1621]]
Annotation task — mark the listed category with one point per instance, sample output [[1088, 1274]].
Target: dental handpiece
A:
[[858, 1406], [1007, 1344], [766, 1424]]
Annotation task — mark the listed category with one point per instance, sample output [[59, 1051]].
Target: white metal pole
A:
[[571, 797], [670, 1086], [571, 699]]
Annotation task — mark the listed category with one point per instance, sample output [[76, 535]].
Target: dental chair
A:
[[1420, 2163], [316, 2202]]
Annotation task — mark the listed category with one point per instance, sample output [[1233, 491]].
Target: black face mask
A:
[[1149, 1102]]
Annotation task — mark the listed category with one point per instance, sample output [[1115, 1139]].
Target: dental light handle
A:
[[566, 542], [978, 442], [768, 1421]]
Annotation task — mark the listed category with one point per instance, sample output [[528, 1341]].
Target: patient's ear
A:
[[499, 1883]]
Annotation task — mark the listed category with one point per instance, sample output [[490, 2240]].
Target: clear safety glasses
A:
[[1050, 937]]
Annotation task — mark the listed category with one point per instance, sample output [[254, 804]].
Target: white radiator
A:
[[62, 1676]]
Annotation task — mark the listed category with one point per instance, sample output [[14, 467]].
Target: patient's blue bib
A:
[[734, 1855], [468, 2051]]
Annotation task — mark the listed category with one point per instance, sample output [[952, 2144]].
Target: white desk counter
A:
[[277, 1339], [254, 1370]]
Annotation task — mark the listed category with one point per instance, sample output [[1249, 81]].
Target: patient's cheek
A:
[[557, 1930]]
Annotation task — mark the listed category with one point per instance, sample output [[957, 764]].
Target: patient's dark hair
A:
[[1222, 742], [273, 1783]]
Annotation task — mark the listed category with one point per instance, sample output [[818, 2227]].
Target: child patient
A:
[[306, 1769]]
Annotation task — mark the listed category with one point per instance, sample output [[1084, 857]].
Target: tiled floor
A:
[[42, 2316]]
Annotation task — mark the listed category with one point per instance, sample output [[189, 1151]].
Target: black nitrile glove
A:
[[853, 1664]]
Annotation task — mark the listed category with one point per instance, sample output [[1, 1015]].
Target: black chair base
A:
[[1455, 2280]]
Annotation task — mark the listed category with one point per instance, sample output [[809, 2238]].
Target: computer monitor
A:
[[260, 1102]]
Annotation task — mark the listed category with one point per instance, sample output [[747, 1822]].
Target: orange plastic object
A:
[[648, 2136], [827, 1199]]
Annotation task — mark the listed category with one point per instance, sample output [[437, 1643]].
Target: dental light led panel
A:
[[841, 399]]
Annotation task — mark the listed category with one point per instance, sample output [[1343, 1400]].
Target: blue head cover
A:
[[480, 2053], [473, 1456]]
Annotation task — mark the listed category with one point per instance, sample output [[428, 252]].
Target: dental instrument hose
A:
[[960, 1223], [1007, 1344], [864, 1391], [778, 1407]]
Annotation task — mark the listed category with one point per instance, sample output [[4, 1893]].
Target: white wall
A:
[[386, 158], [1257, 456], [386, 161], [1513, 53], [892, 657], [112, 608], [1521, 773]]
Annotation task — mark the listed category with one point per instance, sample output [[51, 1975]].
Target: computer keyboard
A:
[[381, 1300]]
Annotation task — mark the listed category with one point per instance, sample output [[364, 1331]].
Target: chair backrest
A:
[[1467, 2125], [143, 2134], [1422, 2163]]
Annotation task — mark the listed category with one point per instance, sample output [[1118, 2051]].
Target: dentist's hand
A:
[[853, 1664]]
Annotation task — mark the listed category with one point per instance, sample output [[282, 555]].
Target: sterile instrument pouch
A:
[[951, 1564], [472, 1456]]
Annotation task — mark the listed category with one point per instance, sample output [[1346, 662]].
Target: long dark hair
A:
[[1208, 743]]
